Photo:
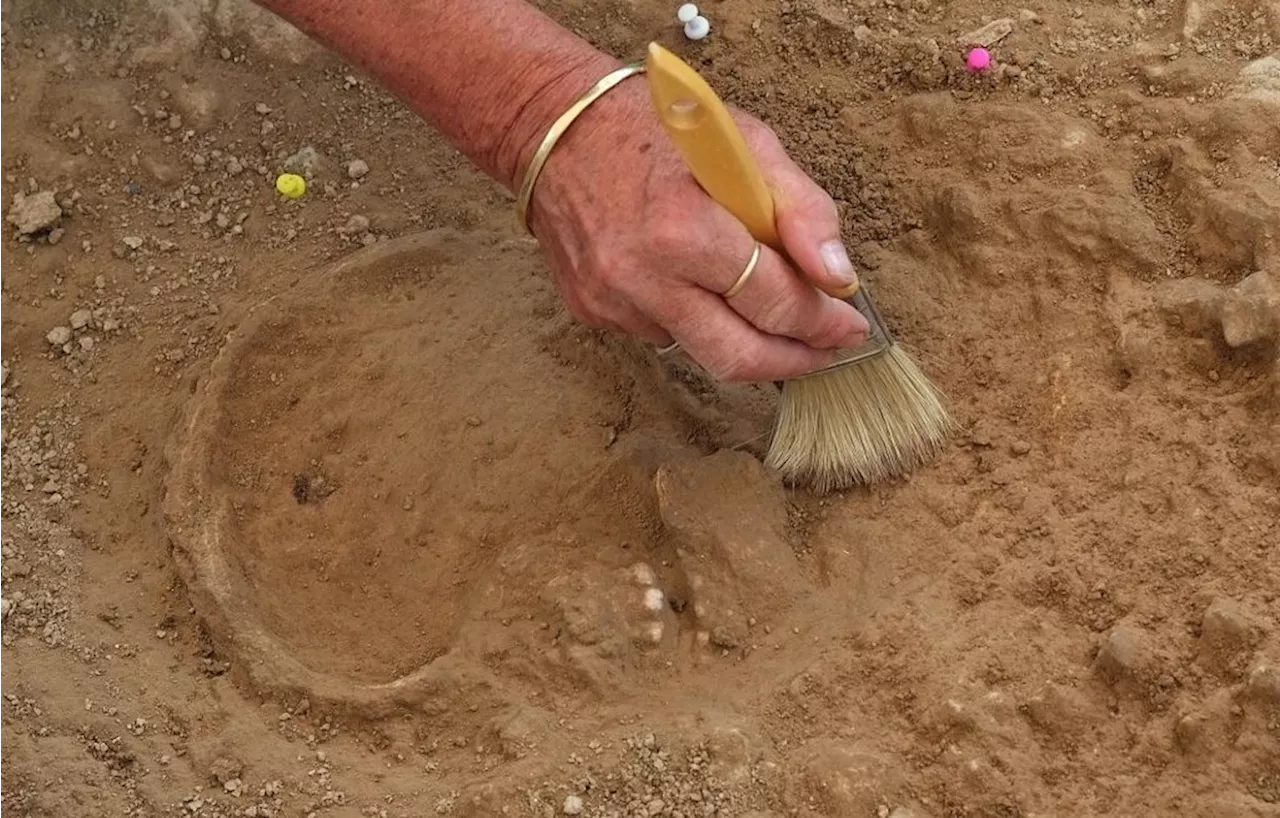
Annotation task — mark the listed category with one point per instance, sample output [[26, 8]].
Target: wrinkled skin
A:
[[636, 246]]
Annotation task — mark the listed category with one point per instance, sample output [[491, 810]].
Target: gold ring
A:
[[746, 274]]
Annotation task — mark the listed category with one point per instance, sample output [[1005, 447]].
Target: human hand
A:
[[637, 246]]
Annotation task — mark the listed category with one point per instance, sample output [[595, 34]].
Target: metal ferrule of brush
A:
[[879, 339]]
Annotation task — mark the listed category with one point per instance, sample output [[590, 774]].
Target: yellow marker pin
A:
[[291, 185]]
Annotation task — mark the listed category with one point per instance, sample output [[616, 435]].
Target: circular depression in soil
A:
[[370, 443]]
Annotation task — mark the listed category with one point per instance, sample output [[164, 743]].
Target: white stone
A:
[[654, 599], [1260, 80]]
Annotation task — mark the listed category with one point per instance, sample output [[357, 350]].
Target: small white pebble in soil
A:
[[655, 631], [59, 336], [572, 805], [697, 28], [654, 599], [643, 574], [357, 168], [686, 12]]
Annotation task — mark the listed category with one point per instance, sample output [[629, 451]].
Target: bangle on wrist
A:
[[558, 129]]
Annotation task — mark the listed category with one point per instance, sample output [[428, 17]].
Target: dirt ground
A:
[[327, 507]]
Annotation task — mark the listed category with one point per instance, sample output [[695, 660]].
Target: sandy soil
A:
[[327, 508]]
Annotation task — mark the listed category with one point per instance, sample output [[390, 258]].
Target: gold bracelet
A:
[[558, 129]]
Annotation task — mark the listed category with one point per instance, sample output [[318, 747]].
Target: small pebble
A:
[[59, 336], [654, 599], [357, 168], [572, 805], [356, 224], [1020, 447]]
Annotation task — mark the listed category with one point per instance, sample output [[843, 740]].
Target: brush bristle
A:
[[863, 423]]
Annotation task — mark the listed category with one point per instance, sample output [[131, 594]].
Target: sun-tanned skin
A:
[[634, 244]]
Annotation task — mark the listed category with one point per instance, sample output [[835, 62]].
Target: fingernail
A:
[[839, 267]]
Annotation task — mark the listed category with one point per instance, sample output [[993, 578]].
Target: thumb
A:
[[809, 226]]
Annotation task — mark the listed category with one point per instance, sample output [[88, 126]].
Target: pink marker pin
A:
[[979, 59]]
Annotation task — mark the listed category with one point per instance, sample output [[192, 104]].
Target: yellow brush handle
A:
[[709, 140]]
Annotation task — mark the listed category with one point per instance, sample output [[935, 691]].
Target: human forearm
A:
[[490, 75]]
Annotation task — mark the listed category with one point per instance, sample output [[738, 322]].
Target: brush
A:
[[869, 416]]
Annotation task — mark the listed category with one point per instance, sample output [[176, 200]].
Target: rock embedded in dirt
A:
[[19, 569], [35, 213], [357, 168], [990, 34], [1262, 684], [1246, 313], [1250, 311], [733, 752], [1194, 303], [1061, 711], [1125, 655], [605, 613], [1227, 633], [1260, 80], [572, 805], [81, 319], [306, 163], [728, 517], [59, 336], [358, 224], [199, 105]]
